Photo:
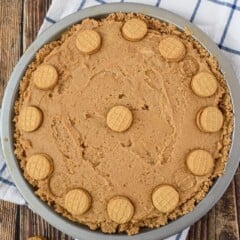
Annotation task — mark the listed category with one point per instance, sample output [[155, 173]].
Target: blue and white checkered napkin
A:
[[218, 18]]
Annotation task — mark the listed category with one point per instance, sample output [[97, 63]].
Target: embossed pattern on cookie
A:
[[88, 41], [39, 166], [165, 198], [204, 84], [189, 66], [30, 118], [58, 189], [119, 118], [210, 119], [77, 201], [45, 77], [172, 48], [184, 180], [134, 29], [200, 162], [120, 209]]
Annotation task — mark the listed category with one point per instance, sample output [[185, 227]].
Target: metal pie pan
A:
[[80, 231]]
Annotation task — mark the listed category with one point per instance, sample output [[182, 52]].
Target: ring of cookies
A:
[[209, 119]]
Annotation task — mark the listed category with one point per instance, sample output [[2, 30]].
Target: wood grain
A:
[[10, 38], [226, 217], [237, 196], [33, 15], [20, 21], [8, 217]]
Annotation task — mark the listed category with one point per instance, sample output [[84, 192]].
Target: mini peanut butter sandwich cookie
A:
[[37, 238], [39, 166], [165, 198], [88, 41], [120, 209], [119, 118], [134, 29], [204, 84], [200, 162], [30, 118], [172, 48], [45, 77], [209, 119], [77, 201], [189, 66]]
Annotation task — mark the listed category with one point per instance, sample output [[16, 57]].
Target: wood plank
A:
[[197, 232], [191, 233], [10, 38], [10, 51], [211, 224], [33, 16], [204, 226], [19, 222], [237, 194], [8, 217], [226, 216]]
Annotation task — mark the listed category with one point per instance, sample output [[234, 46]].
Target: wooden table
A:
[[20, 21]]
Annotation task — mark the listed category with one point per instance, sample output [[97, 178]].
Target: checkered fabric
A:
[[218, 18]]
